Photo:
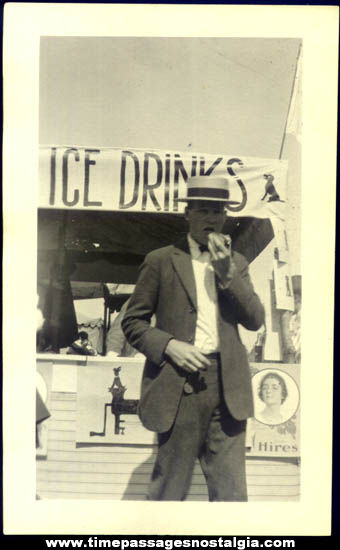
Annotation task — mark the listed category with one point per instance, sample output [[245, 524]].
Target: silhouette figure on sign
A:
[[117, 386], [270, 189], [118, 405]]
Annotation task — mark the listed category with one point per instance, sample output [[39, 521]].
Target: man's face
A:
[[205, 217]]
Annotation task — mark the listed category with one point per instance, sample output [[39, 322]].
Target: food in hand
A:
[[219, 242]]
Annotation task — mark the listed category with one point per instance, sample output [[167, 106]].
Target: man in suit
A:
[[196, 389]]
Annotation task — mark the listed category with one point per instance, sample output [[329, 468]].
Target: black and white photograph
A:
[[171, 300], [218, 120]]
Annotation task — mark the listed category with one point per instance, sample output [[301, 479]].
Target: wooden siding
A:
[[119, 472]]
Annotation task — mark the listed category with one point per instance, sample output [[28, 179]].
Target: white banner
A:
[[153, 180]]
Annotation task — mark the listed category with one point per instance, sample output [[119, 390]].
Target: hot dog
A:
[[219, 241]]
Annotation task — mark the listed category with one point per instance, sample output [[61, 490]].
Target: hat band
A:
[[209, 193]]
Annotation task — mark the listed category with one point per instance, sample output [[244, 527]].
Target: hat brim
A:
[[212, 199]]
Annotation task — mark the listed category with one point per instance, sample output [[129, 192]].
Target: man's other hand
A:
[[186, 356]]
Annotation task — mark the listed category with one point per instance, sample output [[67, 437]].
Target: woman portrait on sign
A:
[[273, 392]]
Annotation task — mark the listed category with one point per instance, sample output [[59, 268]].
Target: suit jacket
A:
[[166, 286]]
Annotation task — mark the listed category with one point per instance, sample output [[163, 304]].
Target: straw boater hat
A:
[[208, 188]]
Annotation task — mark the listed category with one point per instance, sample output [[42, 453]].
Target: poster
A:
[[44, 378], [107, 400], [274, 431]]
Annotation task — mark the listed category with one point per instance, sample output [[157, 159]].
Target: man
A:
[[196, 390]]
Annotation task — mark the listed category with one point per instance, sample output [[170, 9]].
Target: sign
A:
[[107, 400], [275, 429], [44, 378], [108, 395], [284, 295], [89, 178]]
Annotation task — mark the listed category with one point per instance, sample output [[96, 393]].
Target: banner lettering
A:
[[108, 179]]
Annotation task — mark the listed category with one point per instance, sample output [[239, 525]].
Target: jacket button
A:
[[188, 389]]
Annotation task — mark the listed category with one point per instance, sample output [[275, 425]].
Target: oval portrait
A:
[[276, 396]]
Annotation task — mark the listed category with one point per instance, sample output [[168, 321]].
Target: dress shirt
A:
[[206, 336]]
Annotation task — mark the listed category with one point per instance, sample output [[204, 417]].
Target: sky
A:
[[211, 95]]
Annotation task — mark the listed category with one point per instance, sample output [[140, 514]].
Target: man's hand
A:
[[186, 356], [220, 250]]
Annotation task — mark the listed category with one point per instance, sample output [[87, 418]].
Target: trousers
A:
[[203, 429]]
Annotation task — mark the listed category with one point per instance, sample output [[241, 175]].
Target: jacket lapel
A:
[[182, 263]]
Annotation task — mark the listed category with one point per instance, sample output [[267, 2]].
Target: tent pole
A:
[[290, 102], [285, 315], [61, 246]]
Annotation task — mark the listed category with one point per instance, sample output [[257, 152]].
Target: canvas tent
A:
[[101, 211], [123, 240]]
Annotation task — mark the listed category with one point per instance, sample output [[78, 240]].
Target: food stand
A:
[[100, 212]]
